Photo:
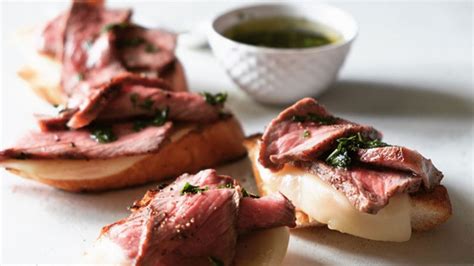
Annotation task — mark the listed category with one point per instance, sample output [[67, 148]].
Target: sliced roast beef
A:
[[145, 49], [367, 189], [86, 104], [193, 219], [137, 100], [276, 208], [131, 96], [84, 24], [52, 36], [79, 144], [396, 157], [303, 132]]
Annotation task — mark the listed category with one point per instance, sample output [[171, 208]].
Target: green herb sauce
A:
[[191, 189], [341, 156], [282, 32], [215, 99], [160, 118], [103, 134]]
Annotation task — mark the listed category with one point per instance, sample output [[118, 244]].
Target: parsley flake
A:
[[215, 99], [190, 189], [341, 156], [103, 134]]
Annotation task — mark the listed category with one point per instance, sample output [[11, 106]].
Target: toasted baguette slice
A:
[[427, 209], [43, 73], [259, 248], [191, 148]]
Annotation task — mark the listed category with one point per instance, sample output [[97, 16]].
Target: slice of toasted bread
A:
[[43, 73], [191, 148], [428, 209]]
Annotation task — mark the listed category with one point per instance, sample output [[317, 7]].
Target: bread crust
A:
[[429, 208], [203, 147]]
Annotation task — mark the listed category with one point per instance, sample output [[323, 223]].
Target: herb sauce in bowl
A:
[[282, 32]]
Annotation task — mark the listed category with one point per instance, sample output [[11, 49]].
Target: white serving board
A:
[[409, 74]]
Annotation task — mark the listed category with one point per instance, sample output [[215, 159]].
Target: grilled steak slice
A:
[[129, 96], [303, 132], [84, 24], [368, 190], [53, 33], [97, 100], [266, 212], [86, 105], [182, 226], [52, 36], [78, 144], [396, 157], [145, 49], [136, 100]]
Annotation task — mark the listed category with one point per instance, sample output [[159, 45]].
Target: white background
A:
[[409, 74]]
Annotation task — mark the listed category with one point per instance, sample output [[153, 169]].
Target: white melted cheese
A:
[[63, 169], [325, 204]]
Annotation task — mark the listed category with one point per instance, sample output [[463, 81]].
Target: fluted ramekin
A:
[[283, 76]]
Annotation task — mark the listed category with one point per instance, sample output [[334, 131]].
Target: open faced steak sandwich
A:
[[203, 219], [88, 45], [340, 174], [124, 133]]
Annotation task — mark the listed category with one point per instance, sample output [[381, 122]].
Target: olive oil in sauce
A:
[[282, 32]]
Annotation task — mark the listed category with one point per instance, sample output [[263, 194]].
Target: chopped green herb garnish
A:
[[55, 105], [132, 42], [190, 189], [374, 144], [341, 156], [245, 194], [140, 124], [215, 262], [113, 26], [147, 104], [150, 48], [159, 119], [215, 99], [80, 76], [310, 117], [134, 99], [306, 134], [103, 134]]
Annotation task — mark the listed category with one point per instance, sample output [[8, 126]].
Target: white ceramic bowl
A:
[[283, 76]]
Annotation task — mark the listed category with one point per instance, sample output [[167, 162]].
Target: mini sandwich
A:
[[203, 219], [122, 123], [61, 53], [132, 133], [340, 174]]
